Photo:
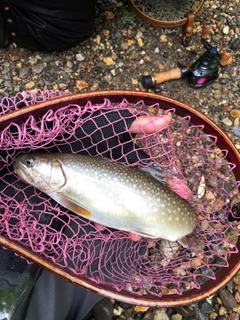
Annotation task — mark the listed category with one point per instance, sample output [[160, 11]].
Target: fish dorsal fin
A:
[[71, 204]]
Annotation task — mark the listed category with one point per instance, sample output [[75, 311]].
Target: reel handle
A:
[[205, 30], [226, 57], [149, 81]]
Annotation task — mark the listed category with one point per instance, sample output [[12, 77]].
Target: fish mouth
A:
[[22, 172]]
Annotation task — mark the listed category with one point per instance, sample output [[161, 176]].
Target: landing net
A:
[[109, 257]]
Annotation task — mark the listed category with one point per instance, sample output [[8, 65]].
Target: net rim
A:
[[182, 109], [162, 23]]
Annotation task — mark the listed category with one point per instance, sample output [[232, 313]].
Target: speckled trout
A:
[[109, 194]]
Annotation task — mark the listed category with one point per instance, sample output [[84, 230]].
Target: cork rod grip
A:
[[166, 76]]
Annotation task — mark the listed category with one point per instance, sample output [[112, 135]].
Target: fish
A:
[[110, 194]]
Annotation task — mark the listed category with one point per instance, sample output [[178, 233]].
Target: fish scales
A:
[[110, 194]]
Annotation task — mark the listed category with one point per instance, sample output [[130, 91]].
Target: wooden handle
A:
[[166, 76], [205, 30], [226, 57]]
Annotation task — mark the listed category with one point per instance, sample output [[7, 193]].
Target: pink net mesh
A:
[[110, 258]]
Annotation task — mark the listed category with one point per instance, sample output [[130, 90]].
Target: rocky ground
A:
[[122, 49]]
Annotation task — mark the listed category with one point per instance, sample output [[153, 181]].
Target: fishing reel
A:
[[201, 73], [205, 70]]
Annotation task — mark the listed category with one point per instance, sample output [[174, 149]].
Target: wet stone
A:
[[224, 80], [148, 316], [25, 72], [205, 307], [221, 318], [48, 58], [125, 306], [216, 85], [176, 316], [233, 316], [227, 298], [127, 312], [138, 316], [103, 310], [38, 68], [185, 311]]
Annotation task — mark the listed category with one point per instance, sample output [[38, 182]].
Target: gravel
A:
[[121, 50]]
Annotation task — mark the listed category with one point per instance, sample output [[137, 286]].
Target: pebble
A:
[[30, 85], [79, 57], [103, 310], [226, 30], [160, 314], [227, 122], [233, 316], [205, 307], [235, 113], [176, 316], [236, 131], [185, 311], [227, 298], [148, 316], [25, 72], [38, 68]]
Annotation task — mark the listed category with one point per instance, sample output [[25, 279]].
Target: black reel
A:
[[205, 70]]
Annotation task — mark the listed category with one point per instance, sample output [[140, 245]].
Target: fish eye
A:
[[29, 162]]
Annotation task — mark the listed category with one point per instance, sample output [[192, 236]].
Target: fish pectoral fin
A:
[[183, 241], [71, 205]]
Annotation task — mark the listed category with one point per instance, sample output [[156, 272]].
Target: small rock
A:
[[79, 57], [38, 68], [160, 314], [227, 298], [176, 316], [25, 72], [16, 56], [103, 310], [233, 316], [163, 38], [30, 85], [81, 84], [124, 45], [227, 122], [205, 307], [109, 15], [235, 113], [141, 309], [237, 296], [140, 42], [236, 131], [118, 311], [226, 30], [139, 34], [133, 56], [216, 85], [108, 61], [185, 311], [234, 43], [48, 58], [148, 316]]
